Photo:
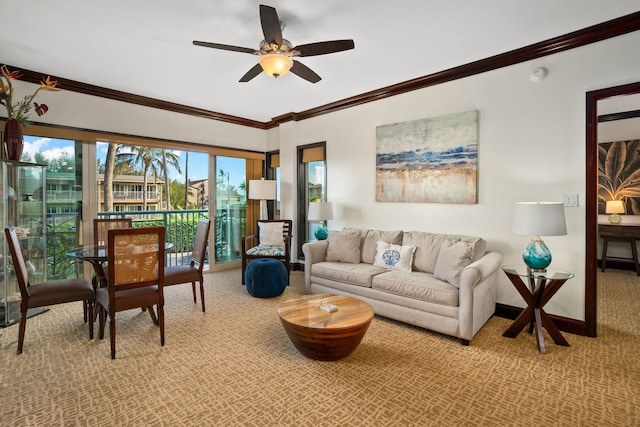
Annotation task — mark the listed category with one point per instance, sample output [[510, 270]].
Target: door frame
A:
[[591, 232]]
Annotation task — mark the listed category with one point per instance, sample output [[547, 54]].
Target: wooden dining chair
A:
[[45, 293], [102, 225], [100, 228], [273, 240], [192, 272], [135, 277]]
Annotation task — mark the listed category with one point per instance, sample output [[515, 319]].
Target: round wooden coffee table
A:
[[321, 335]]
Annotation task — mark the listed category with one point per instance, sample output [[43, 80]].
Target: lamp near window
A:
[[614, 207], [538, 219], [320, 212], [263, 190]]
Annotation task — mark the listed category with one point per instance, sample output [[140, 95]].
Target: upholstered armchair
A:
[[273, 240]]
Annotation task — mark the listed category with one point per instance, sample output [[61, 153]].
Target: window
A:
[[273, 172], [230, 221], [312, 185]]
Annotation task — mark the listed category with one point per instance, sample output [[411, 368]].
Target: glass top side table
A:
[[536, 288]]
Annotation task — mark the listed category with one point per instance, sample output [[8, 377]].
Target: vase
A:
[[13, 139]]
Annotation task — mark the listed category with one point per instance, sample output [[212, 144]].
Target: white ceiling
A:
[[144, 47]]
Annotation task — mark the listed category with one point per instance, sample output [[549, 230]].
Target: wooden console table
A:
[[620, 233]]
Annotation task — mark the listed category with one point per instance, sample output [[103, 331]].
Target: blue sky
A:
[[198, 162]]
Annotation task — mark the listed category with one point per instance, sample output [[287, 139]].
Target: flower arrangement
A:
[[21, 232], [19, 111]]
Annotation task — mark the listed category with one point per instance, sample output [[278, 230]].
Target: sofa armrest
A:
[[477, 297], [484, 267], [314, 252]]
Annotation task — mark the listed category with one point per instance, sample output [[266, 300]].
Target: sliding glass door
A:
[[230, 220], [63, 195]]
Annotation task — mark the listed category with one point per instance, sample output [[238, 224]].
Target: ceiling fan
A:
[[276, 53]]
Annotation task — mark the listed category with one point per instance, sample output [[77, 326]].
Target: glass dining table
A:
[[97, 256]]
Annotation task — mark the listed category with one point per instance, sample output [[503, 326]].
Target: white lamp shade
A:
[[262, 189], [614, 206], [539, 219], [320, 211]]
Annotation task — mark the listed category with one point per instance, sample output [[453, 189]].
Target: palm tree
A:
[[150, 160], [186, 179], [172, 159], [109, 166]]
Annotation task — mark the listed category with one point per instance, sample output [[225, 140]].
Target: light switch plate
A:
[[570, 200]]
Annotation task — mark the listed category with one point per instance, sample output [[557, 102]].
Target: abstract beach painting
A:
[[428, 161]]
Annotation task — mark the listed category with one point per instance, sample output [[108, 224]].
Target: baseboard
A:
[[565, 324], [618, 265]]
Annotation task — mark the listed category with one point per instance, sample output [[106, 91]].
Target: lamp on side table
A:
[[320, 212], [538, 219]]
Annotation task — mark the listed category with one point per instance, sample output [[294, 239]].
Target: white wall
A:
[[94, 113], [531, 147]]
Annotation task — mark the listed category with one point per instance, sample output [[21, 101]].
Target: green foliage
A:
[[176, 189], [179, 229], [60, 265]]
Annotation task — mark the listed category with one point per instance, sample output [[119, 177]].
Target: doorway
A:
[[591, 255]]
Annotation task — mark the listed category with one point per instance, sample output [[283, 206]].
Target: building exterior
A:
[[128, 193]]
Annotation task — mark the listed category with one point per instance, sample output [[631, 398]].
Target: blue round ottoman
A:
[[265, 278]]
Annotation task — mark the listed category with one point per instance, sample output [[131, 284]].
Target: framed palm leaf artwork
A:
[[429, 160], [619, 175]]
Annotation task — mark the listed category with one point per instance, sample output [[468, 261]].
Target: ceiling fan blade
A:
[[224, 47], [305, 72], [254, 71], [270, 25], [322, 48]]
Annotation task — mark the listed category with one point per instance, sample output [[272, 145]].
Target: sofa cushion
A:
[[363, 233], [271, 233], [452, 259], [262, 250], [416, 285], [395, 257], [343, 246], [354, 274], [373, 237], [428, 247]]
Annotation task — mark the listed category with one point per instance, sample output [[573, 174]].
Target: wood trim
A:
[[619, 116], [593, 34], [565, 324], [591, 196], [65, 132], [606, 30], [116, 95]]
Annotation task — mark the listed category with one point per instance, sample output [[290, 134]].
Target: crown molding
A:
[[599, 32]]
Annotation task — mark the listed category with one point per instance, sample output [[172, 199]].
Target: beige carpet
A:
[[235, 365]]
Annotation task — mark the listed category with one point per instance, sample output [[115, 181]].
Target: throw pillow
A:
[[343, 246], [395, 257], [271, 233], [452, 259], [369, 244]]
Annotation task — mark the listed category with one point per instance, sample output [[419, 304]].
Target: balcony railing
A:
[[134, 195], [228, 228]]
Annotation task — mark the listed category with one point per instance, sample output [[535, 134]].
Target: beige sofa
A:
[[441, 282]]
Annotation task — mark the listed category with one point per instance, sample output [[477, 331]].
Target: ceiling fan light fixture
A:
[[276, 64]]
